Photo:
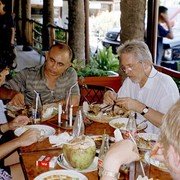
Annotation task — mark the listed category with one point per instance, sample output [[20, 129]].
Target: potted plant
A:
[[102, 69]]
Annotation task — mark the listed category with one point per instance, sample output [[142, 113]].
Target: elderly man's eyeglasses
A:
[[129, 67]]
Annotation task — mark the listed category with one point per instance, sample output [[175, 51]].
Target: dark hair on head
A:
[[7, 58], [162, 9]]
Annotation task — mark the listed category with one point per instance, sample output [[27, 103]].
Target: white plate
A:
[[149, 137], [46, 131], [116, 123], [119, 123], [154, 162], [69, 173], [64, 164]]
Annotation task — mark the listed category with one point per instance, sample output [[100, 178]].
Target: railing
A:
[[35, 37]]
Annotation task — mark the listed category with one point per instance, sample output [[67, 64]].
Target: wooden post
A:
[[152, 27], [26, 15], [48, 18], [86, 9], [18, 16], [52, 35]]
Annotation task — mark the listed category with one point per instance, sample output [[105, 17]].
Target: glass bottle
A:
[[103, 150], [78, 126], [131, 125], [37, 109]]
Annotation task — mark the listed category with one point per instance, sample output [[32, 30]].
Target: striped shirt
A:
[[30, 79]]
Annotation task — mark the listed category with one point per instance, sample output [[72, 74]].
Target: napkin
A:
[[117, 135], [60, 139]]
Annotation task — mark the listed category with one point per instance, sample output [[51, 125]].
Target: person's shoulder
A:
[[71, 70], [166, 80], [31, 69]]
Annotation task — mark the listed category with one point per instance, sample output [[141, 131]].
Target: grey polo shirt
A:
[[30, 79]]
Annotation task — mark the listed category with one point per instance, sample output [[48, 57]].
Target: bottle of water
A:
[[131, 125], [103, 150], [78, 126], [37, 109]]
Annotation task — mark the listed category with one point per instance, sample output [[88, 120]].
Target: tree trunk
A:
[[77, 28], [48, 18], [26, 14], [18, 14], [132, 19]]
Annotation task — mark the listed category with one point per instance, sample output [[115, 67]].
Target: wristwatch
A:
[[145, 110]]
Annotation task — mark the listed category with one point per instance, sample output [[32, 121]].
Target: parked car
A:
[[112, 39]]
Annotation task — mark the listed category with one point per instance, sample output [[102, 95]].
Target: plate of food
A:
[[103, 113], [146, 141], [46, 131], [154, 162], [61, 174], [121, 123], [49, 111], [14, 111], [64, 164]]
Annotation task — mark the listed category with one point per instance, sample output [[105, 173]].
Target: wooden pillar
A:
[[26, 14], [76, 28], [18, 16], [152, 27], [48, 18], [86, 8]]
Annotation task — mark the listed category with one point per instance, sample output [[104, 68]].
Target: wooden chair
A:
[[92, 93], [170, 72], [174, 74]]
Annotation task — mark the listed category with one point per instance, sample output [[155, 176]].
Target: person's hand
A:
[[18, 121], [29, 137], [109, 97], [123, 152], [129, 104], [3, 75], [17, 100], [157, 152]]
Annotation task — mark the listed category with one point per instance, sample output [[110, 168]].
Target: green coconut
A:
[[80, 152]]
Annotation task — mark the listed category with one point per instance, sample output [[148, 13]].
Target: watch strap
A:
[[144, 110]]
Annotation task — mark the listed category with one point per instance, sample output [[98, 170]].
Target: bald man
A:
[[52, 80]]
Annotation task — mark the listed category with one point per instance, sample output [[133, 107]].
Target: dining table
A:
[[30, 154]]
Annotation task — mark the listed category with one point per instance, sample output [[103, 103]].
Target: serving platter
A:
[[102, 113], [61, 174], [146, 141], [121, 123], [45, 130], [48, 111]]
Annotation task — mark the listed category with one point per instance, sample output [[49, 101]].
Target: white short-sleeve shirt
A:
[[160, 92]]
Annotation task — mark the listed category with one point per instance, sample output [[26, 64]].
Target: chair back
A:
[[92, 93], [170, 72]]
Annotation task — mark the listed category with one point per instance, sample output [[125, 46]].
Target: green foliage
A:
[[106, 60], [100, 64], [60, 35]]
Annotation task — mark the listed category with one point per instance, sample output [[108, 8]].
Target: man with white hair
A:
[[145, 90]]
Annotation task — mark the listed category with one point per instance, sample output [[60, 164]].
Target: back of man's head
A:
[[162, 9], [170, 129], [7, 59]]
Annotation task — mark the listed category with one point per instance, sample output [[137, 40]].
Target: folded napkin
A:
[[60, 139], [118, 135]]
